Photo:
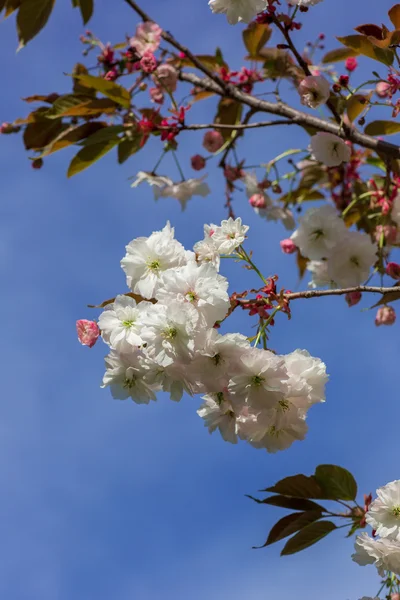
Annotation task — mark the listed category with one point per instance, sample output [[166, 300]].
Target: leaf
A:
[[382, 128], [338, 55], [136, 297], [71, 136], [394, 15], [78, 105], [302, 263], [37, 98], [288, 525], [38, 135], [307, 537], [377, 162], [106, 134], [388, 297], [338, 483], [356, 104], [11, 6], [352, 218], [286, 502], [364, 46], [299, 486], [370, 30], [86, 8], [279, 63], [32, 17], [201, 96], [78, 87], [229, 113], [89, 155], [127, 147], [255, 36], [211, 62], [112, 90]]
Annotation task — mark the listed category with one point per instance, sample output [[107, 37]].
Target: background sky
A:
[[104, 499]]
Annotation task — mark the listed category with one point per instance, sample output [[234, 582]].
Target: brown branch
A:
[[298, 117], [196, 126], [168, 37], [339, 292]]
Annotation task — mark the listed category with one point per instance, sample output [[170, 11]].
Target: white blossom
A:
[[319, 271], [350, 263], [184, 190], [121, 324], [320, 230], [229, 235], [279, 213], [158, 181], [207, 252], [125, 377], [384, 513], [171, 378], [307, 379], [238, 10], [314, 90], [218, 413], [329, 149], [147, 258], [384, 553]]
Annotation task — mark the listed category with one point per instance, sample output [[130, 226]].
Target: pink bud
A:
[[382, 89], [393, 270], [148, 62], [353, 298], [88, 332], [213, 141], [351, 63], [258, 201], [395, 596], [287, 246], [385, 316], [198, 162], [156, 95]]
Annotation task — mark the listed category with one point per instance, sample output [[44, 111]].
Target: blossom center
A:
[[128, 323], [256, 381], [354, 260], [396, 512], [129, 383], [154, 265], [191, 296], [170, 333], [216, 359], [284, 404], [219, 397], [318, 233]]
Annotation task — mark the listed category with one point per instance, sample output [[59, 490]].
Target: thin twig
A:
[[341, 292], [196, 126]]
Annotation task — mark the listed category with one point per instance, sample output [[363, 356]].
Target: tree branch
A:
[[238, 126], [340, 292], [298, 117]]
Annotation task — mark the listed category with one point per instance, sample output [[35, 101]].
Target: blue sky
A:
[[102, 499]]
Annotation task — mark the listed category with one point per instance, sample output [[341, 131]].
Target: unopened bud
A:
[[37, 163], [287, 246], [386, 315], [88, 332], [257, 201], [393, 270], [277, 189], [382, 89], [198, 162], [213, 141], [353, 298], [351, 63]]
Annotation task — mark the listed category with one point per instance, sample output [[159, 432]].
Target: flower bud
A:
[[353, 298], [382, 89], [393, 270], [351, 63], [148, 62], [213, 141], [386, 315], [395, 596], [37, 163], [257, 201], [198, 162], [88, 332], [287, 246], [156, 95]]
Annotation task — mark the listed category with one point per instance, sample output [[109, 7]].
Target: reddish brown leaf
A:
[[394, 15]]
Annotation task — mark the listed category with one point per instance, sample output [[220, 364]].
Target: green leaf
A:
[[39, 134], [356, 104], [337, 483], [290, 524], [72, 136], [104, 135], [79, 88], [299, 486], [363, 46], [255, 36], [286, 502], [86, 8], [89, 155], [78, 105], [32, 17], [377, 162], [127, 147], [338, 55], [382, 128], [229, 113], [112, 90], [307, 537]]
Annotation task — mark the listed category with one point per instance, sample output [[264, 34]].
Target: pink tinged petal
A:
[[88, 332]]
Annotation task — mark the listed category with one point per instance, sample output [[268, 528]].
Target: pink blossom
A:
[[88, 332], [198, 162], [351, 63], [395, 597], [111, 75], [382, 89], [386, 315], [166, 77], [156, 95], [314, 90], [287, 246], [147, 37], [213, 141], [257, 201], [393, 270], [353, 298], [148, 62], [389, 233]]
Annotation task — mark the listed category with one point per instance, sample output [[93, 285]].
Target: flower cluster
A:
[[384, 517], [338, 256], [162, 336]]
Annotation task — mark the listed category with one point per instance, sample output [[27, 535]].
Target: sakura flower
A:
[[287, 246], [184, 190], [278, 213], [319, 271], [229, 235], [314, 90], [218, 414], [207, 252], [147, 258], [260, 380], [213, 141], [121, 324], [386, 315], [125, 377], [384, 553], [329, 149], [307, 378], [169, 332], [384, 513], [171, 378], [158, 181], [319, 232], [238, 10], [88, 332], [350, 265], [166, 77], [199, 285], [147, 37]]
